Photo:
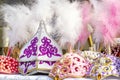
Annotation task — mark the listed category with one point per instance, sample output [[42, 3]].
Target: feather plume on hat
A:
[[68, 22], [43, 10], [86, 17], [105, 20], [23, 21], [16, 17]]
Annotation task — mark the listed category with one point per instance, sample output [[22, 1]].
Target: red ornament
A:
[[8, 65]]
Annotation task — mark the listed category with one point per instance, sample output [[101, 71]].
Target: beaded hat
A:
[[106, 66], [91, 56], [8, 65], [70, 65]]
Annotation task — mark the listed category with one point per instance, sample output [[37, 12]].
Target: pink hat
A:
[[70, 65]]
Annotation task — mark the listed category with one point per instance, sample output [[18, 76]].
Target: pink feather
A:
[[106, 20], [86, 15]]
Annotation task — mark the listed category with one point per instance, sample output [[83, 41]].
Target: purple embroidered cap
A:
[[40, 47], [39, 54]]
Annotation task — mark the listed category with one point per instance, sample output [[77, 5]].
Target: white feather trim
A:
[[23, 22], [17, 17], [68, 21], [42, 10], [96, 19]]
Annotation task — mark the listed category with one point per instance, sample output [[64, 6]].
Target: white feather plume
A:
[[97, 36], [17, 17], [68, 21], [24, 22], [43, 10]]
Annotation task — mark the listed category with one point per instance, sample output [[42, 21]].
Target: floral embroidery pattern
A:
[[31, 49], [47, 48]]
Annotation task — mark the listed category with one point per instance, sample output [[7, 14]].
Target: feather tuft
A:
[[17, 17], [24, 21], [68, 22], [86, 17], [43, 10], [106, 20]]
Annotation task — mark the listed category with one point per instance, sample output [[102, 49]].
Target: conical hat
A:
[[40, 47]]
